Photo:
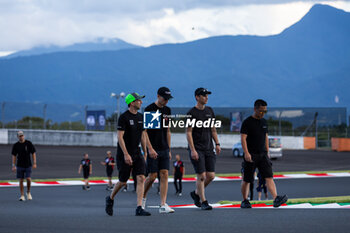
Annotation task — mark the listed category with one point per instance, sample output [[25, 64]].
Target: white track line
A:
[[170, 180]]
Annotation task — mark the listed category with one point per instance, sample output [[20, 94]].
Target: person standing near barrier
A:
[[179, 172], [159, 150], [22, 163], [255, 144], [86, 166], [130, 134], [109, 163], [201, 149]]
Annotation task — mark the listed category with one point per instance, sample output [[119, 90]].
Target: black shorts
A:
[[205, 163], [24, 172], [138, 166], [260, 161], [109, 171], [86, 173], [160, 163]]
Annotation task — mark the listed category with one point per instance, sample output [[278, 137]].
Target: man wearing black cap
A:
[[21, 152], [130, 134], [159, 149], [200, 142]]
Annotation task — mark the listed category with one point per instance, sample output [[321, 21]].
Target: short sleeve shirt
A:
[[178, 166], [159, 137], [202, 137], [109, 160], [256, 130], [23, 151], [132, 125], [85, 162]]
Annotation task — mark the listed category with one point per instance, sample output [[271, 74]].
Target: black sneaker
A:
[[279, 200], [196, 199], [142, 212], [245, 204], [108, 188], [109, 206], [206, 206], [84, 188], [88, 188]]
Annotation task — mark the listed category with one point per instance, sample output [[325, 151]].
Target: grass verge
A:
[[314, 200]]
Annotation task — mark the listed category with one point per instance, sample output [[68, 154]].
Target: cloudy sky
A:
[[28, 23]]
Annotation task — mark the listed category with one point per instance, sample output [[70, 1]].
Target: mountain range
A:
[[100, 44], [308, 64]]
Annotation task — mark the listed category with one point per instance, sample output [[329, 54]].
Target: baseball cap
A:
[[20, 133], [132, 97], [165, 93], [202, 91]]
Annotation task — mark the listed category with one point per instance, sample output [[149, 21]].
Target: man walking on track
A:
[[86, 166], [159, 154], [130, 134], [255, 143], [21, 152], [179, 172], [200, 142], [109, 163]]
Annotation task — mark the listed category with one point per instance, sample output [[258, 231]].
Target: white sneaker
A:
[[29, 196], [165, 209], [22, 198], [143, 205]]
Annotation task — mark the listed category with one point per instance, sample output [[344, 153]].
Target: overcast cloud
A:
[[28, 23]]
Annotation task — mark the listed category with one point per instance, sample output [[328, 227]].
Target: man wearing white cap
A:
[[22, 163]]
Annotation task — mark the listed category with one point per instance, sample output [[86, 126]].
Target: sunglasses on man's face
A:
[[263, 111]]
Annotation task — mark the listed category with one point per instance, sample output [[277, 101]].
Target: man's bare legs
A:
[[116, 189], [203, 180], [21, 186], [140, 188], [148, 183], [270, 184], [245, 190], [29, 182]]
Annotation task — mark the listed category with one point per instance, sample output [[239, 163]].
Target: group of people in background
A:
[[109, 163], [86, 167], [203, 147]]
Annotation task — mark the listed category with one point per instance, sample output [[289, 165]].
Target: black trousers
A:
[[178, 177]]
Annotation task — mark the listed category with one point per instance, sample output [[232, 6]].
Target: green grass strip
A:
[[186, 176], [345, 203], [314, 201]]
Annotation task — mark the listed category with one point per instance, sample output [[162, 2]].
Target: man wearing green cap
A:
[[129, 157]]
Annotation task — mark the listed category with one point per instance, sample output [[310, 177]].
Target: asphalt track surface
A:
[[71, 209], [63, 161]]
